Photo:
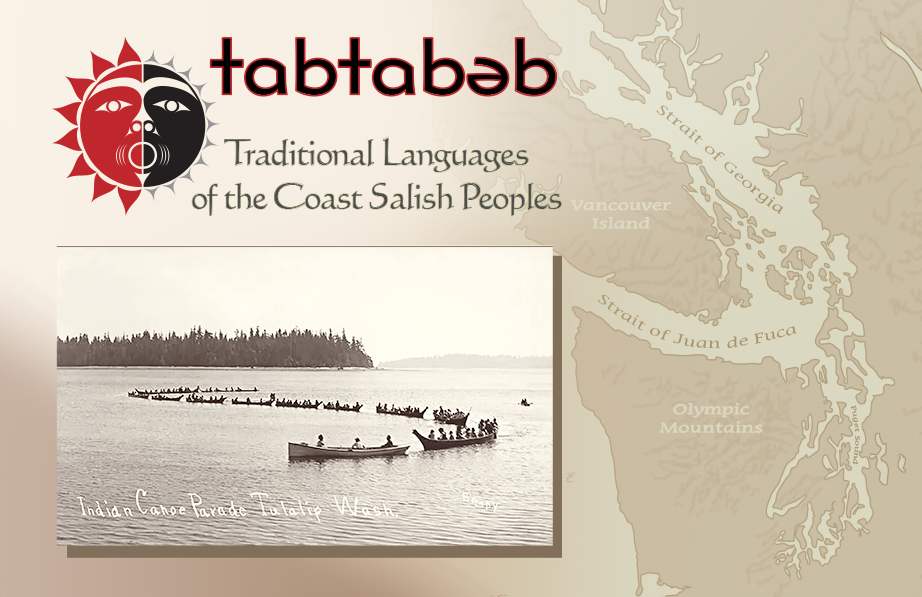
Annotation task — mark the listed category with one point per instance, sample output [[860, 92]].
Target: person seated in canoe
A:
[[442, 435], [451, 435], [358, 445], [319, 441], [388, 443], [432, 434]]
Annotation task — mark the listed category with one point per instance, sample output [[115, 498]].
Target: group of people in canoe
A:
[[337, 406], [408, 411], [237, 389], [487, 427], [193, 397], [260, 402], [202, 400], [358, 445], [182, 390], [296, 403], [484, 428], [442, 414]]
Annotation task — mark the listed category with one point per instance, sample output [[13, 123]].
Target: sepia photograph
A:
[[303, 396]]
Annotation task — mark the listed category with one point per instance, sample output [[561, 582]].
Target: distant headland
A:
[[469, 361]]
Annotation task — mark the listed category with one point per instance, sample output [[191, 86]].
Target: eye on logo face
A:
[[139, 126]]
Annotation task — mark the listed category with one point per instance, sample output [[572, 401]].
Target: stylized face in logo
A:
[[139, 126], [173, 124], [142, 126]]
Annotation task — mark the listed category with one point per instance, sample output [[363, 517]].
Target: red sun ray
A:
[[128, 54], [101, 187], [69, 112], [81, 168], [70, 140], [100, 65], [80, 86], [128, 197]]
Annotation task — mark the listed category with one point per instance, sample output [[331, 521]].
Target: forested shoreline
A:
[[198, 348]]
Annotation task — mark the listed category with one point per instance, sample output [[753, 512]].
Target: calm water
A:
[[110, 446]]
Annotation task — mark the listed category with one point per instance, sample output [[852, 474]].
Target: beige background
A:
[[52, 210]]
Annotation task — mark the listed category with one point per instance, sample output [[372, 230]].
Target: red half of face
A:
[[107, 122]]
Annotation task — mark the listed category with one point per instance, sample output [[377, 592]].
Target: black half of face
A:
[[178, 130]]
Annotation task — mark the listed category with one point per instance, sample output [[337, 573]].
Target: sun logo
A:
[[139, 126]]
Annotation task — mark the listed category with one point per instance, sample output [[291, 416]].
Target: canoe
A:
[[290, 404], [457, 420], [308, 451], [417, 415], [193, 400], [435, 444], [346, 408], [269, 402]]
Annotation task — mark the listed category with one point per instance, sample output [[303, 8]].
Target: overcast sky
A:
[[402, 302]]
